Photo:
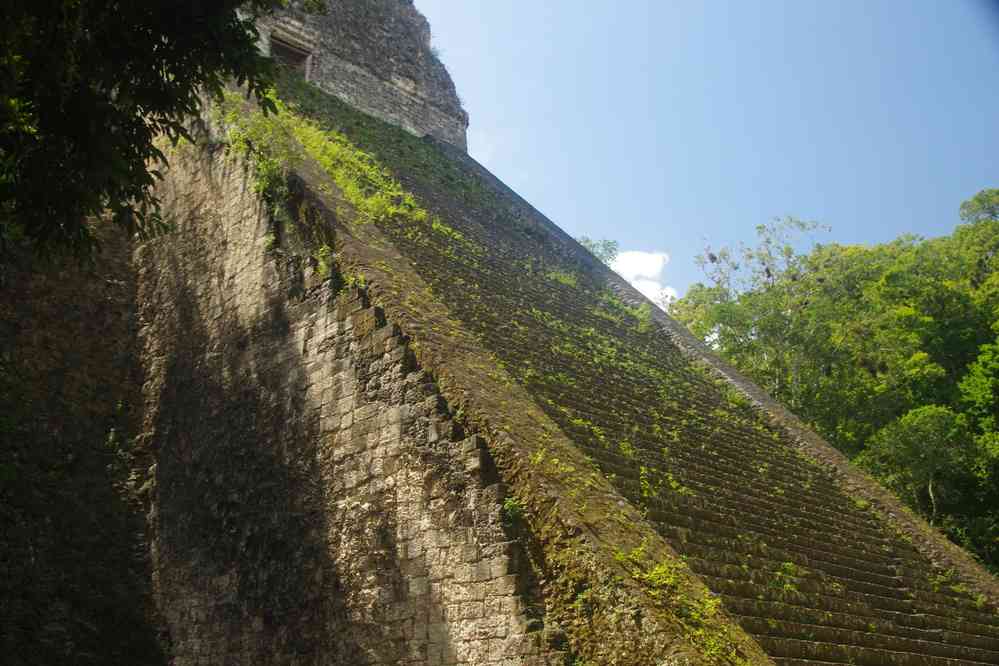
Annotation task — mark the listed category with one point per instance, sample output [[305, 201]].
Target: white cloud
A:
[[636, 264], [644, 270]]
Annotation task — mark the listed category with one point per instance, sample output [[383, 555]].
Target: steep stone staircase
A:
[[804, 568], [812, 573], [815, 575]]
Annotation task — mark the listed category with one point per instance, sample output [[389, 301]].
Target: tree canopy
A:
[[890, 351], [605, 250], [85, 88]]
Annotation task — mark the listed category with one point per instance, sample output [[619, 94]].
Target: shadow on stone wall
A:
[[314, 500], [239, 521], [74, 583]]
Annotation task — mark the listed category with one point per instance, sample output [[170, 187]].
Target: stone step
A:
[[922, 582], [810, 582], [738, 451], [804, 589], [849, 654], [774, 558], [941, 604], [626, 470], [740, 470], [854, 606], [731, 527], [738, 543], [942, 633], [780, 493], [808, 517], [855, 579], [881, 641]]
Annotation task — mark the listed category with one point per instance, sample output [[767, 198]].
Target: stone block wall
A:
[[376, 56], [314, 500], [74, 583]]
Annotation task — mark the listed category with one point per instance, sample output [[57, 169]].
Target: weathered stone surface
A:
[[490, 454], [376, 56], [74, 582], [314, 501]]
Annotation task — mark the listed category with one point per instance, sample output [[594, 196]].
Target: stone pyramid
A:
[[397, 416]]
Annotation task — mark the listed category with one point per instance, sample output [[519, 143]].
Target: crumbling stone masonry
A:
[[376, 56], [314, 502], [422, 428]]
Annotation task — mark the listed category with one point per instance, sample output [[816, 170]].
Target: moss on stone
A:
[[579, 393]]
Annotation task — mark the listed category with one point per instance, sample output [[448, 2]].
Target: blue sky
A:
[[668, 125]]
